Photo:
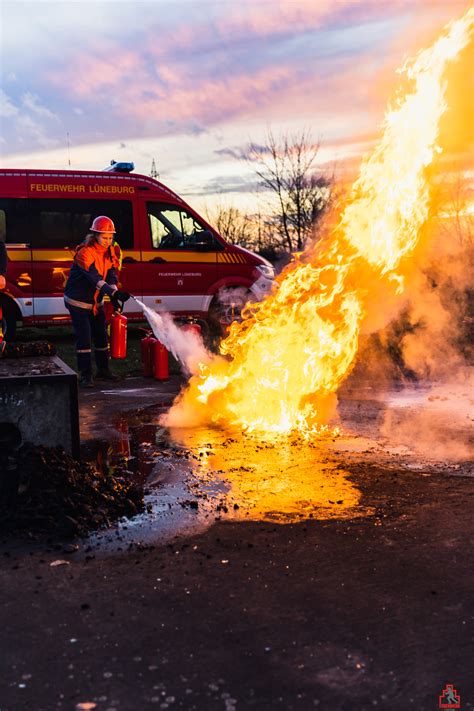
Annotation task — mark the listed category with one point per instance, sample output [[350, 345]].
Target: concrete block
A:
[[39, 396]]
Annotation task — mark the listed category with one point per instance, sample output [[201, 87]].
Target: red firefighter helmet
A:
[[102, 224]]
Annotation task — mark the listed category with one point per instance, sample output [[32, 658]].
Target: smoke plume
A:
[[185, 345]]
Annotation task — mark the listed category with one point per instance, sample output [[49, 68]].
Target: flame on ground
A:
[[281, 367]]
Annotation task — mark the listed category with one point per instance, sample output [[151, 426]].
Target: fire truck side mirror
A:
[[205, 242], [204, 247]]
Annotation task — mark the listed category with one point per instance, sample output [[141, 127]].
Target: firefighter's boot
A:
[[84, 366], [102, 362], [106, 375], [86, 380]]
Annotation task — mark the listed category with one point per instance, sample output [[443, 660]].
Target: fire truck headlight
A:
[[266, 270]]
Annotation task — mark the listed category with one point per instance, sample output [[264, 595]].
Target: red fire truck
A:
[[173, 260]]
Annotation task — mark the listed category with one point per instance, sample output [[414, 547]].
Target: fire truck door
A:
[[58, 225], [179, 259], [54, 233], [14, 231]]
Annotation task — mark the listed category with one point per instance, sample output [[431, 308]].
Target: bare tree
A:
[[287, 168], [234, 225], [452, 207], [252, 231]]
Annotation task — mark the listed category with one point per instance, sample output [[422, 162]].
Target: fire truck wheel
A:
[[9, 317], [225, 308]]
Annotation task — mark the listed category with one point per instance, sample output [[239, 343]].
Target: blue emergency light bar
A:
[[119, 167]]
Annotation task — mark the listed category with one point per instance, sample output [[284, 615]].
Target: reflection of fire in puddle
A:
[[281, 482], [196, 476]]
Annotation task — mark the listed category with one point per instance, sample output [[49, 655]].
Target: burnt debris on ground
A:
[[29, 349], [46, 491]]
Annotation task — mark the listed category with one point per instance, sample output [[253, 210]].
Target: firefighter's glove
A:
[[118, 299]]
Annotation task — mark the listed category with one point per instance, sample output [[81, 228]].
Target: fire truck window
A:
[[3, 226], [172, 227], [166, 230], [65, 223], [14, 226]]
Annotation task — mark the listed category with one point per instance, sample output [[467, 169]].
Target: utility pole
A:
[[154, 173], [68, 152]]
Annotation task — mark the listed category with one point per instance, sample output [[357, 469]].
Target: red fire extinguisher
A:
[[192, 327], [160, 361], [108, 310], [146, 349], [118, 334]]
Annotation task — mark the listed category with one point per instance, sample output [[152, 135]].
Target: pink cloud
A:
[[297, 17], [255, 22], [175, 80], [208, 101], [87, 74]]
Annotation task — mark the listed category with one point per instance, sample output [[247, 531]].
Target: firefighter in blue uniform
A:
[[94, 274]]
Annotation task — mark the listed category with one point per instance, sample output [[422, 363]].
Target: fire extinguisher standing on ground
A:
[[146, 348], [192, 326], [118, 331], [160, 361]]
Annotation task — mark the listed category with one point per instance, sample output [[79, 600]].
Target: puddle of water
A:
[[122, 446], [125, 392], [194, 477], [282, 482], [197, 476], [167, 514]]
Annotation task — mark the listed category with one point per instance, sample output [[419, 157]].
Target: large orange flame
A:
[[281, 366]]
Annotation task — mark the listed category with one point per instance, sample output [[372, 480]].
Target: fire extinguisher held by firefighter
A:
[[118, 329], [3, 271], [94, 274]]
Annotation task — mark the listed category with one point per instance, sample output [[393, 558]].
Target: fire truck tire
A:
[[225, 308], [9, 318]]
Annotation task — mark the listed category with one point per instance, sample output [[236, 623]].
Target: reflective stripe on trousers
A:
[[89, 328]]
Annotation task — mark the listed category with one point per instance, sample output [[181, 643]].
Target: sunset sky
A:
[[190, 82]]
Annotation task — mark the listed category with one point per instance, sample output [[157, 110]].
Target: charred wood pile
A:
[[46, 491]]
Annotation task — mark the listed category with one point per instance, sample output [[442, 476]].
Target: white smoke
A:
[[233, 299], [186, 345], [233, 295], [437, 423]]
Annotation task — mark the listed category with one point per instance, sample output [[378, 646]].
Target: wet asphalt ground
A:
[[334, 575]]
